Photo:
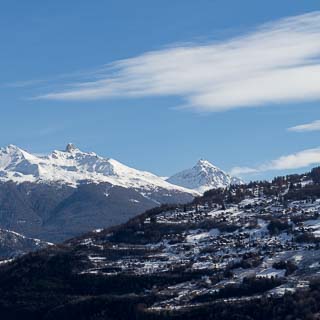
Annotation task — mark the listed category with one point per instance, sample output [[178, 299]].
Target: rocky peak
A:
[[70, 147]]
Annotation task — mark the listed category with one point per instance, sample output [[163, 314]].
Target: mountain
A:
[[73, 167], [69, 192], [245, 252], [13, 244], [202, 177]]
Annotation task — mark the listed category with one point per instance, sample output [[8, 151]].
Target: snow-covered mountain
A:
[[73, 167], [67, 193], [202, 177]]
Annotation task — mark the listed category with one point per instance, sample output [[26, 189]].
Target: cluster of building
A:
[[221, 245]]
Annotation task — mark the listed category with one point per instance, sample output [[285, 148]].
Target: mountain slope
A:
[[202, 177], [55, 212], [247, 252], [69, 192], [13, 244]]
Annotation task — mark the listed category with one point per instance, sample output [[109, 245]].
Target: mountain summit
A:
[[70, 147], [72, 167], [202, 177]]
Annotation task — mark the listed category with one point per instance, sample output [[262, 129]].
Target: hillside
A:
[[249, 252], [13, 244]]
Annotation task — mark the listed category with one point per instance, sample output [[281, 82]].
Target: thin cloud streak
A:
[[312, 126], [278, 62], [297, 160]]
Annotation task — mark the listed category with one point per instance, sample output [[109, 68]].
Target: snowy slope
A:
[[13, 244], [72, 166], [202, 177]]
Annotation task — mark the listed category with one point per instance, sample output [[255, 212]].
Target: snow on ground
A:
[[271, 272], [197, 235], [73, 166]]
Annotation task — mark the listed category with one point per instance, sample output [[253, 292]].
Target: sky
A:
[[158, 85]]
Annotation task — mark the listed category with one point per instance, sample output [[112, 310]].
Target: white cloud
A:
[[312, 126], [297, 160], [239, 171], [278, 62]]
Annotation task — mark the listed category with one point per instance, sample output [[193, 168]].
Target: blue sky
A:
[[64, 78]]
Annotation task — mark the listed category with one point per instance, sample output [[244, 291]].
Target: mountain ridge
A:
[[72, 166], [13, 244], [203, 177]]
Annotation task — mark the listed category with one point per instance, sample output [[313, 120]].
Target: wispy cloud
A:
[[65, 79], [297, 160], [243, 171], [277, 62], [312, 126], [22, 84]]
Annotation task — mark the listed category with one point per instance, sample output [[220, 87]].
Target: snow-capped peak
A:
[[12, 151], [73, 166], [203, 164], [17, 161], [202, 177]]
